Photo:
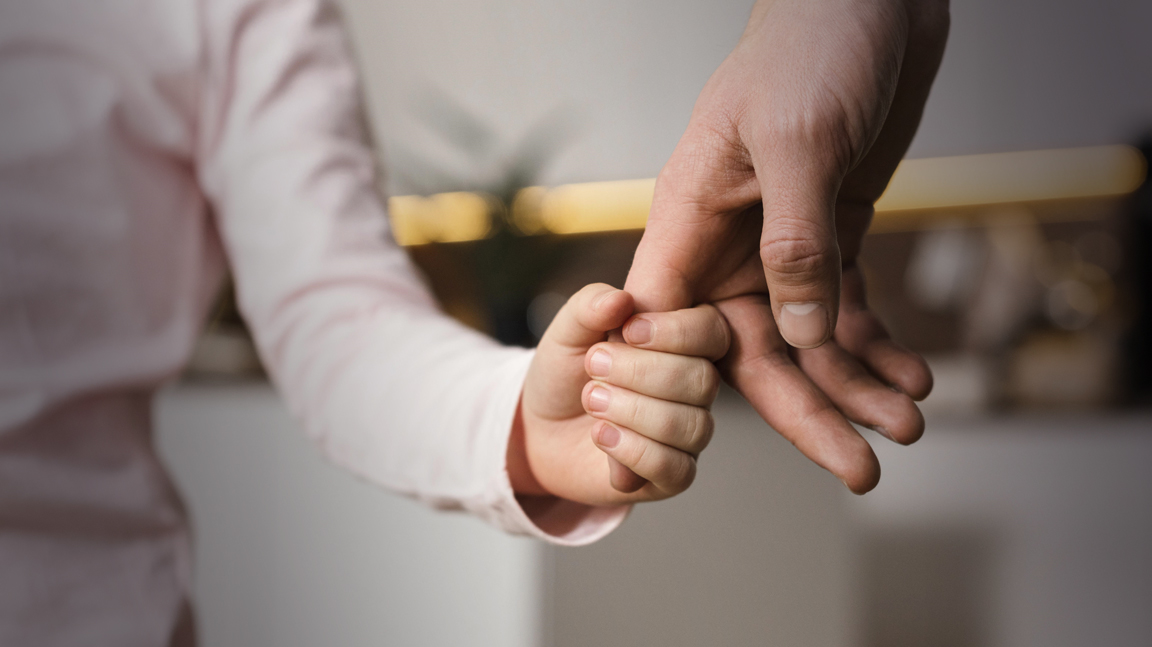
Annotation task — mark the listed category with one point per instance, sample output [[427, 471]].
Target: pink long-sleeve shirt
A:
[[144, 145]]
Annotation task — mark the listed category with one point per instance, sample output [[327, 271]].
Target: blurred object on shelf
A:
[[1008, 270], [944, 269], [503, 269], [920, 193], [1020, 297], [1061, 369], [1012, 243], [1037, 293]]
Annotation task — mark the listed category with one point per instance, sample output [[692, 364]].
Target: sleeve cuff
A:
[[557, 521]]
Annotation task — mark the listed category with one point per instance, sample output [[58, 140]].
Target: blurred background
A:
[[1013, 249]]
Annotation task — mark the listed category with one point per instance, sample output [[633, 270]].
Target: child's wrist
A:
[[518, 466]]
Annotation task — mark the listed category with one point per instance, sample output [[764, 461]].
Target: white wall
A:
[[630, 71], [1017, 75], [1022, 531], [1031, 74], [293, 552]]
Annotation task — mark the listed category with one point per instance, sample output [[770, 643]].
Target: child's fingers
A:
[[691, 380], [587, 317], [862, 334], [699, 332], [670, 470], [623, 479], [557, 373], [680, 426]]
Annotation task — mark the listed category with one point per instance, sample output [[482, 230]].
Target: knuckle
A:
[[670, 383], [795, 251], [714, 380], [637, 373], [663, 468], [639, 455], [719, 331], [707, 381], [678, 334], [680, 473], [633, 409], [670, 427], [588, 294], [700, 431]]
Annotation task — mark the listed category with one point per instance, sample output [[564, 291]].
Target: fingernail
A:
[[598, 399], [599, 301], [600, 364], [804, 325], [883, 432], [607, 436], [639, 331]]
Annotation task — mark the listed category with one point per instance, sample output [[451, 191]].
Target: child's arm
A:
[[647, 406], [390, 387]]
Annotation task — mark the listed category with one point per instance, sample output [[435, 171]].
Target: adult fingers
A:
[[798, 246], [759, 367], [859, 395], [835, 142], [690, 380], [861, 334], [669, 470], [680, 426], [697, 232], [695, 332]]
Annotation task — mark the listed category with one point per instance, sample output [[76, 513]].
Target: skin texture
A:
[[655, 419], [764, 204]]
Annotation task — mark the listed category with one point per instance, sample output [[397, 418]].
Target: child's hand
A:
[[646, 406]]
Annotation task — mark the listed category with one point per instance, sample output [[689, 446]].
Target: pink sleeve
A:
[[391, 388]]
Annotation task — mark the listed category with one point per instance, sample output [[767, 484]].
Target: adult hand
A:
[[767, 197]]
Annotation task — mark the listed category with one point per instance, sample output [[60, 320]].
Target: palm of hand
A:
[[566, 462], [809, 396]]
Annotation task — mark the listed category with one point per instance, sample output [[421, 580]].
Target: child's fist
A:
[[646, 404]]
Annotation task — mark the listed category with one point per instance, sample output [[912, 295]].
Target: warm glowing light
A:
[[441, 218], [1002, 178], [918, 187], [591, 207]]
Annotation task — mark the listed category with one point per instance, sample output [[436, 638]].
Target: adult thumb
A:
[[799, 251]]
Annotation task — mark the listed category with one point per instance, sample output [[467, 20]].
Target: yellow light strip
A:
[[590, 207], [1008, 178], [918, 186], [441, 218]]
